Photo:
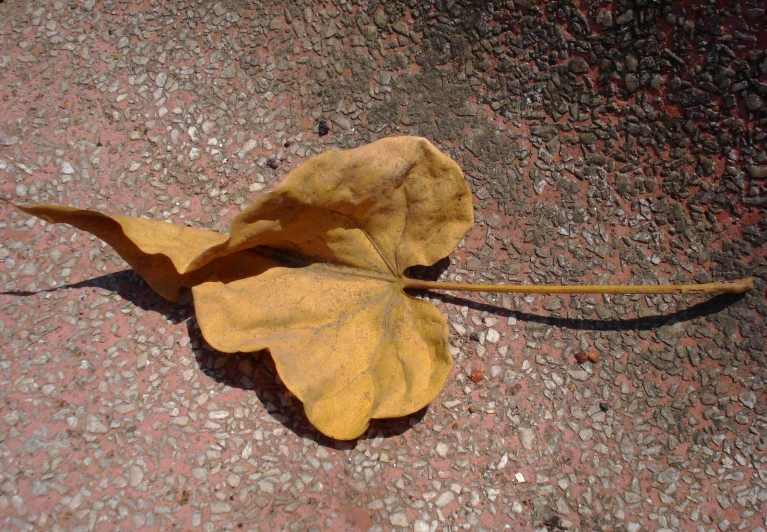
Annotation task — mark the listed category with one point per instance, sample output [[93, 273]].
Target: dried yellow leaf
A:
[[313, 272]]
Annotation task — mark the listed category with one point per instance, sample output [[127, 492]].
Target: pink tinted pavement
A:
[[603, 143]]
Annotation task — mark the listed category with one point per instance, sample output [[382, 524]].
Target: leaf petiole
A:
[[730, 287]]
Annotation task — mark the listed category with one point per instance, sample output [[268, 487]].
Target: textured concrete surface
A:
[[603, 142]]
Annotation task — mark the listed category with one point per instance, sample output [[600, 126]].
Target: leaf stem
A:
[[731, 287]]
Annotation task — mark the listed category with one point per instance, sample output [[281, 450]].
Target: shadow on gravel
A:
[[256, 371], [246, 371], [128, 285], [705, 308], [708, 307]]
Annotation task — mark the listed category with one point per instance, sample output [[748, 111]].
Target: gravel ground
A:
[[603, 141]]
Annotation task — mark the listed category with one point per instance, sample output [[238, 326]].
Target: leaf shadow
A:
[[714, 305], [256, 371], [705, 308], [128, 285], [258, 374]]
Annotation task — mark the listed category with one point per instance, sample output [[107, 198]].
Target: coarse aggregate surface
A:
[[604, 142]]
